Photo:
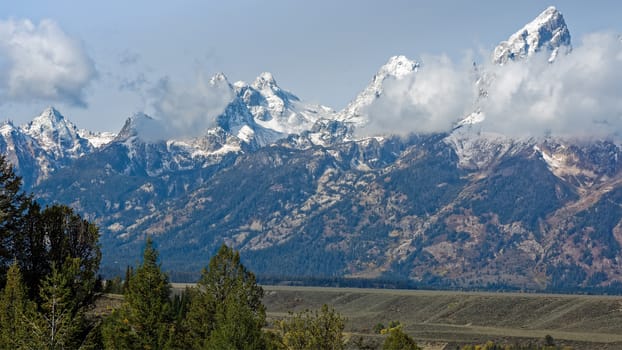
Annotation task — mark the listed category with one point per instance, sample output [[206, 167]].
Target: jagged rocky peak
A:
[[143, 126], [267, 86], [265, 80], [547, 32], [56, 135], [49, 119]]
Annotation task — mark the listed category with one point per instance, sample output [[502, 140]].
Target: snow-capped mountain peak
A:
[[276, 109], [265, 80], [48, 120], [143, 127], [397, 67], [548, 31], [56, 135]]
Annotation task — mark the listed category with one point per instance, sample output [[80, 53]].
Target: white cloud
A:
[[40, 62], [429, 100], [579, 95], [190, 110]]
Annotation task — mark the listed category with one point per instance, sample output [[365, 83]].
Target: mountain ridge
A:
[[290, 185]]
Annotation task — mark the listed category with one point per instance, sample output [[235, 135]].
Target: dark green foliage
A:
[[60, 320], [14, 205], [564, 275], [300, 256], [144, 320], [548, 340], [398, 340], [114, 286], [72, 237], [51, 237], [15, 309], [394, 324], [129, 271], [226, 311], [378, 327], [58, 256]]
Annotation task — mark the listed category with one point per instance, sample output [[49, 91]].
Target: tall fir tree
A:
[[73, 239], [14, 205], [15, 311], [226, 311], [144, 321], [58, 322]]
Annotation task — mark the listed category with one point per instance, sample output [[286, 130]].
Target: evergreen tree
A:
[[144, 321], [129, 271], [72, 238], [52, 237], [14, 205], [31, 250], [226, 311], [15, 309], [58, 323]]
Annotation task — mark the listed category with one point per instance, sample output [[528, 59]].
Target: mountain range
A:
[[295, 188]]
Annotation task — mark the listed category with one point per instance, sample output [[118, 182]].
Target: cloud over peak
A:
[[577, 95]]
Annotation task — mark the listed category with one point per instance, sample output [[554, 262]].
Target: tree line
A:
[[223, 312]]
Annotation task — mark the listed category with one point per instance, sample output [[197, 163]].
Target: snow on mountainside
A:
[[396, 68], [142, 126], [24, 153], [56, 135], [547, 32], [278, 110], [262, 113], [46, 143], [97, 139]]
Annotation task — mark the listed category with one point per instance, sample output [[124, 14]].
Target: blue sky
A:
[[324, 51]]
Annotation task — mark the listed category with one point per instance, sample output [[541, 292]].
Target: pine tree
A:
[[58, 323], [226, 312], [14, 311], [144, 321], [14, 205], [129, 271], [52, 237], [72, 238]]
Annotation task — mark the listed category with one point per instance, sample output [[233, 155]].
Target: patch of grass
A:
[[584, 322]]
